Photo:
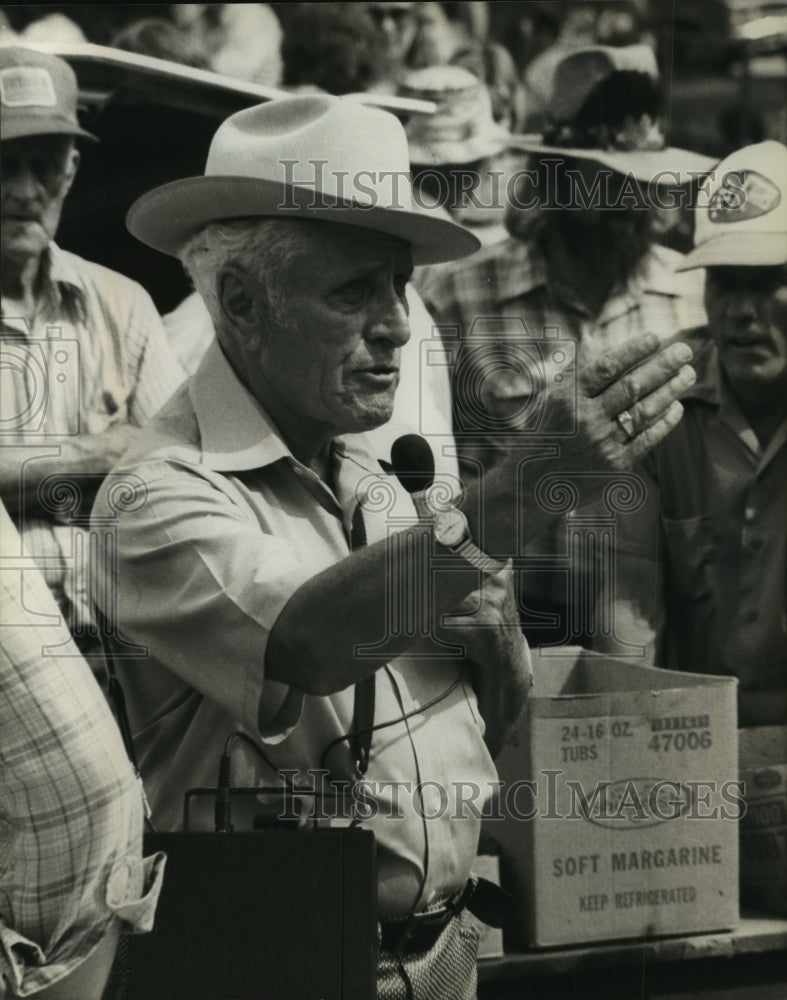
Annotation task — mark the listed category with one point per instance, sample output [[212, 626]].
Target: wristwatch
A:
[[451, 530]]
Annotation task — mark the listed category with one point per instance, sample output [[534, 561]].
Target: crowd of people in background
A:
[[604, 254], [354, 47]]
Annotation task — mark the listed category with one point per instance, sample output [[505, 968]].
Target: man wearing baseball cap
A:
[[722, 474], [84, 356], [276, 565]]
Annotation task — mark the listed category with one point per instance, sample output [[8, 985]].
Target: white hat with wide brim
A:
[[669, 166], [307, 157]]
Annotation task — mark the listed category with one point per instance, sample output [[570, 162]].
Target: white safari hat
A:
[[604, 106], [741, 216], [309, 157]]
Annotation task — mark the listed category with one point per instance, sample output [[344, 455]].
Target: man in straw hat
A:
[[581, 266], [459, 155], [721, 477], [255, 485], [84, 357]]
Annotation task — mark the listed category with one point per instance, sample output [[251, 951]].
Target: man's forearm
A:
[[22, 473], [317, 643]]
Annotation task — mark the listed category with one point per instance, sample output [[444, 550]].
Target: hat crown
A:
[[578, 73], [317, 157], [463, 128], [741, 216], [333, 146], [747, 191], [606, 98]]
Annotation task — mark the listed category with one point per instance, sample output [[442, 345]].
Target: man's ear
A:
[[238, 298], [71, 168]]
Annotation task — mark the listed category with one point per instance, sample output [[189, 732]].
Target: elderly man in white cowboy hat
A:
[[721, 477], [84, 357], [255, 485], [582, 264]]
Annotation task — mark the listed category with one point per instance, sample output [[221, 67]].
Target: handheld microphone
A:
[[412, 462]]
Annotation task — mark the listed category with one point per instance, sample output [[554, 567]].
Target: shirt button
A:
[[751, 617], [750, 513], [756, 544]]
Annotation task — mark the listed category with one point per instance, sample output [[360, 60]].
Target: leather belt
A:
[[419, 932]]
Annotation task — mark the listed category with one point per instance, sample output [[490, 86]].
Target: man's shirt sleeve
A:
[[201, 583]]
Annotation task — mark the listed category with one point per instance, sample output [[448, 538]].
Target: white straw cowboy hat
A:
[[604, 106], [462, 130], [308, 157], [741, 216]]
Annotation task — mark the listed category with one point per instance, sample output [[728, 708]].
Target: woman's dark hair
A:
[[328, 46]]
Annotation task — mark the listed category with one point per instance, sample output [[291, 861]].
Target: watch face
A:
[[450, 527]]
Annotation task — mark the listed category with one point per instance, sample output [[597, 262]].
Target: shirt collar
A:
[[235, 431], [61, 281], [731, 414], [711, 388], [61, 289]]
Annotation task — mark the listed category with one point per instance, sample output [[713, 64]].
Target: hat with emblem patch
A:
[[38, 95], [741, 216]]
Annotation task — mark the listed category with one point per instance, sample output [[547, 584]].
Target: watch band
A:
[[471, 553]]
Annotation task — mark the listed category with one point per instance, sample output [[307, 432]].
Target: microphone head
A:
[[412, 462]]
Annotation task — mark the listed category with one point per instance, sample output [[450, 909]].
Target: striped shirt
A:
[[71, 862], [95, 356]]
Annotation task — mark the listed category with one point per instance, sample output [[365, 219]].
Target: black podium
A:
[[292, 916]]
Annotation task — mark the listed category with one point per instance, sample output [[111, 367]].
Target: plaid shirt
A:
[[94, 357], [499, 300], [71, 862]]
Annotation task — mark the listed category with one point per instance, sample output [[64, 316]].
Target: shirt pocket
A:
[[691, 556]]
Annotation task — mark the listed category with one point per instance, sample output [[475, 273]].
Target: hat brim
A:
[[738, 250], [671, 166], [168, 216], [31, 127], [440, 153]]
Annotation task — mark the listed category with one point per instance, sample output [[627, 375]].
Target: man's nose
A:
[[745, 306], [21, 183], [392, 323]]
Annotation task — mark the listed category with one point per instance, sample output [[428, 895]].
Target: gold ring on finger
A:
[[625, 421]]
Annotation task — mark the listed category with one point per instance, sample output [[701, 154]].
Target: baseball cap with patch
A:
[[38, 95], [741, 216]]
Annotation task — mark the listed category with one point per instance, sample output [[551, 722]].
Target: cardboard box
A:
[[763, 772], [490, 940], [618, 813]]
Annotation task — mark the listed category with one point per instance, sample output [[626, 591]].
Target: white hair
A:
[[261, 247]]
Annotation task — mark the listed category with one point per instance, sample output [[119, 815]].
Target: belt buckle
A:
[[427, 926], [419, 924], [421, 930]]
